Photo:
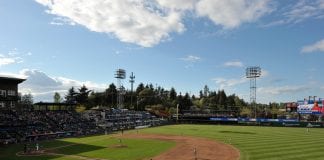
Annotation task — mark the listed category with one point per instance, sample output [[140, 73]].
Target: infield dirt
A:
[[191, 148]]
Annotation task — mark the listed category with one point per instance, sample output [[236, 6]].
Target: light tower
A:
[[253, 73], [120, 75], [132, 80]]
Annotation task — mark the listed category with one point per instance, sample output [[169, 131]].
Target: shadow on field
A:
[[61, 148], [237, 132]]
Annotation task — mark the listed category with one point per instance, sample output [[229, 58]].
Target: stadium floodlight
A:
[[120, 75], [132, 81], [253, 73]]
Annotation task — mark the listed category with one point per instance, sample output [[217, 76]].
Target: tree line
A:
[[148, 97]]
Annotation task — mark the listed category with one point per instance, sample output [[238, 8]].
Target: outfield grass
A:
[[254, 143], [259, 143]]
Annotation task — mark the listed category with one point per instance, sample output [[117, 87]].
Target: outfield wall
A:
[[251, 121]]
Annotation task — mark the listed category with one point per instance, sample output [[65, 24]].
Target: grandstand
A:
[[21, 126], [43, 124], [120, 119]]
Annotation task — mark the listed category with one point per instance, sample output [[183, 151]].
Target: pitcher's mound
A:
[[118, 146]]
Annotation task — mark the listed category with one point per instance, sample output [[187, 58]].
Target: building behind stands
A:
[[9, 92]]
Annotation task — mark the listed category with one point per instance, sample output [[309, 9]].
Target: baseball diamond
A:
[[179, 141]]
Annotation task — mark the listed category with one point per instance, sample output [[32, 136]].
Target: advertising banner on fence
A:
[[251, 119], [310, 108]]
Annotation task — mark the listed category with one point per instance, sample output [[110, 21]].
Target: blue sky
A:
[[185, 44]]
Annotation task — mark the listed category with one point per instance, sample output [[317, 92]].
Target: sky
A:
[[185, 44]]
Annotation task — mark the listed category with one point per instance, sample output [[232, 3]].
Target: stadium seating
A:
[[20, 126]]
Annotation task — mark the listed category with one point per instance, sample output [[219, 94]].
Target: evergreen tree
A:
[[173, 94], [82, 96], [206, 91], [71, 96], [110, 97], [222, 98], [201, 95], [139, 88]]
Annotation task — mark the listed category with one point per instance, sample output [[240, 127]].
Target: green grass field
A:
[[254, 143]]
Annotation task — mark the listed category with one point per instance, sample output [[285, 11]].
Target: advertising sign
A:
[[310, 107]]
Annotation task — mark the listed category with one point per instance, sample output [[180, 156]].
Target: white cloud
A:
[[10, 58], [304, 9], [6, 61], [43, 87], [264, 73], [232, 13], [134, 21], [13, 52], [322, 88], [233, 64], [147, 23], [59, 21], [318, 46], [298, 12], [13, 56], [226, 83], [178, 4], [191, 58], [282, 89]]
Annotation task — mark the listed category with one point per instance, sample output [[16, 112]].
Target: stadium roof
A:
[[54, 104], [19, 80]]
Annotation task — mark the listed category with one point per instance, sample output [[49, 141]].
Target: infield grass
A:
[[104, 147], [254, 143]]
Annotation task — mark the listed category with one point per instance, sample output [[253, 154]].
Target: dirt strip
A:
[[191, 148]]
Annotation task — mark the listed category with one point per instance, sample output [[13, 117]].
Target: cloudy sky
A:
[[185, 44]]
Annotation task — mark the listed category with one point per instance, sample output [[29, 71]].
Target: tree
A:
[[82, 96], [274, 112], [239, 102], [139, 88], [231, 100], [246, 112], [206, 91], [57, 97], [213, 99], [111, 95], [173, 94], [186, 102], [71, 96], [96, 99], [201, 95], [146, 97], [222, 98]]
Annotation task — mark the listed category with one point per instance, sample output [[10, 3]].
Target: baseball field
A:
[[186, 141]]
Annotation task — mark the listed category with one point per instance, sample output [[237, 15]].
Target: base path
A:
[[191, 148]]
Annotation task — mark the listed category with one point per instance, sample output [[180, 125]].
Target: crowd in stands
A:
[[18, 126], [121, 119], [28, 126]]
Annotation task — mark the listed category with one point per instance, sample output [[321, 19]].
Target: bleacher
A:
[[36, 125], [21, 126], [122, 119]]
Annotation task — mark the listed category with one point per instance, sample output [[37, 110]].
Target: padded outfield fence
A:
[[249, 121]]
